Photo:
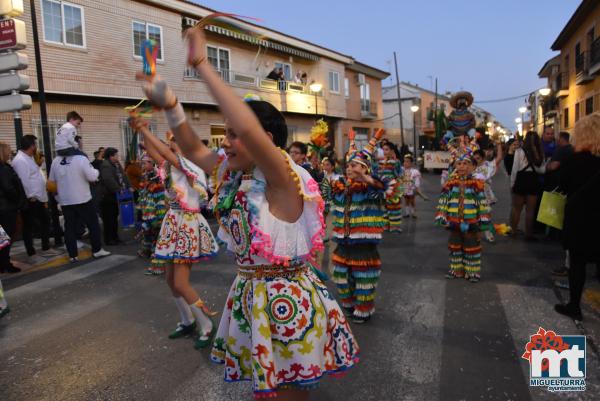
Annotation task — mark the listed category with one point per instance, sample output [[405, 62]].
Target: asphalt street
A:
[[98, 330]]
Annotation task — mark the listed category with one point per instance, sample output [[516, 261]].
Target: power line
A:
[[506, 99]]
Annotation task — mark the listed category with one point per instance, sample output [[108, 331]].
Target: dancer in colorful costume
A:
[[412, 186], [4, 242], [281, 327], [358, 223], [152, 206], [185, 237], [390, 168], [463, 210]]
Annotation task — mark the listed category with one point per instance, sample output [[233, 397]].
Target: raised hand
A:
[[157, 91], [196, 46]]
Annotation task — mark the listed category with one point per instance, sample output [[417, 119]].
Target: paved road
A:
[[98, 331]]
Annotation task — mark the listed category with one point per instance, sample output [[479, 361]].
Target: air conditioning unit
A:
[[196, 115], [360, 79]]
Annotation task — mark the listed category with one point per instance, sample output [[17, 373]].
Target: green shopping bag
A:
[[552, 209]]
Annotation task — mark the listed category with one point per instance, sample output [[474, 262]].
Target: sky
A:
[[492, 48]]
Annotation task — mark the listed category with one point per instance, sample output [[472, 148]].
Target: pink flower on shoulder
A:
[[312, 185]]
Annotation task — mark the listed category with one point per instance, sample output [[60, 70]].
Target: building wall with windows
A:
[[361, 89], [90, 52], [579, 66]]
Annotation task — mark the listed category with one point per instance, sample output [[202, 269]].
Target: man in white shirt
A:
[[73, 175], [34, 184]]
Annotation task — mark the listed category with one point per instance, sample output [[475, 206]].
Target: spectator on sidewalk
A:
[[563, 151], [72, 176], [34, 184], [528, 165], [112, 182], [548, 143], [98, 157], [12, 199], [580, 180]]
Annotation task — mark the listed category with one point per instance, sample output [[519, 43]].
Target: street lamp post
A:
[[519, 121], [522, 110], [315, 88], [414, 108]]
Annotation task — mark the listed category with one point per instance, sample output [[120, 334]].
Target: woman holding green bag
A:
[[580, 180]]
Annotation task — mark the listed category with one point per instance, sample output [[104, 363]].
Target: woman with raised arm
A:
[[280, 328], [185, 237]]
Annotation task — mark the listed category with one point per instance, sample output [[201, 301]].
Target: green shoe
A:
[[204, 340], [4, 312], [182, 330]]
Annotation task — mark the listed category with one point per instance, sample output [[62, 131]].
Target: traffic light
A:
[[13, 36]]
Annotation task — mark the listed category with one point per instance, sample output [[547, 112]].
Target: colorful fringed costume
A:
[[152, 206], [281, 327], [463, 210], [185, 236], [391, 169], [358, 223]]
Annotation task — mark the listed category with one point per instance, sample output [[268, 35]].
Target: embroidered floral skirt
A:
[[282, 332], [185, 238]]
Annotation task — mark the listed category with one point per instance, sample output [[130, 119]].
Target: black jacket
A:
[[109, 181], [580, 180], [12, 194]]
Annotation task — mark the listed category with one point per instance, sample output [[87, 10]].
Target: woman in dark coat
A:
[[12, 199], [112, 181], [580, 180]]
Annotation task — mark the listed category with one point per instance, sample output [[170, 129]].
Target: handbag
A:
[[552, 209]]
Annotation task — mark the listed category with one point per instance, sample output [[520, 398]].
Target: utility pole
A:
[[44, 121], [399, 102]]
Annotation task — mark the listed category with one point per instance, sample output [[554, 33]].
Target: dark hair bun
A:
[[271, 120]]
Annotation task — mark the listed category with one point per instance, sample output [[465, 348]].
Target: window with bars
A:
[[63, 23], [577, 107], [130, 139], [142, 31], [566, 117], [53, 126], [220, 60]]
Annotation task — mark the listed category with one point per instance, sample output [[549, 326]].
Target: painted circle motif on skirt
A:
[[282, 309], [290, 310]]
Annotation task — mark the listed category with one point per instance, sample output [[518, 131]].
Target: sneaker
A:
[[74, 260], [489, 237], [414, 216], [10, 269], [474, 279], [4, 312], [182, 330], [148, 272], [561, 271], [101, 253], [568, 310], [51, 252]]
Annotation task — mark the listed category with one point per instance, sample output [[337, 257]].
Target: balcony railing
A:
[[581, 62], [237, 78], [561, 82], [368, 109], [595, 56], [582, 68]]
